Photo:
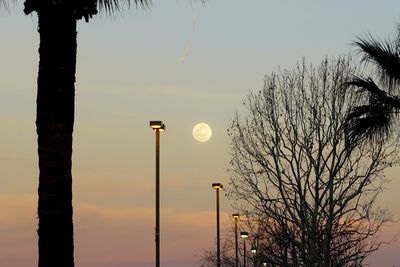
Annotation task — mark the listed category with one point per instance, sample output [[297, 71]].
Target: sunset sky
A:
[[181, 62]]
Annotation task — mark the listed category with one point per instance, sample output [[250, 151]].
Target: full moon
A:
[[202, 132]]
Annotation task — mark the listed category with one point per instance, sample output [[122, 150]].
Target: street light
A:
[[254, 252], [157, 126], [244, 235], [235, 216], [217, 187]]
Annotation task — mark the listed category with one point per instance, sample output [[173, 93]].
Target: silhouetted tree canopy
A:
[[377, 114], [309, 194]]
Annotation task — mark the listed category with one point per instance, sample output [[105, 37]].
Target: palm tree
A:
[[55, 119], [379, 106]]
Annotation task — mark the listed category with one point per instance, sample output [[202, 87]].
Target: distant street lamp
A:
[[217, 187], [254, 252], [235, 216], [157, 126], [244, 235]]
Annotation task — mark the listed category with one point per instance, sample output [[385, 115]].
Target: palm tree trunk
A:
[[54, 122]]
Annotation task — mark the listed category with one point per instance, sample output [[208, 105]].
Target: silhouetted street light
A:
[[158, 127], [254, 252], [244, 235], [217, 187], [235, 216]]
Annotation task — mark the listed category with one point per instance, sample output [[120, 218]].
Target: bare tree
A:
[[311, 192], [209, 257], [270, 247]]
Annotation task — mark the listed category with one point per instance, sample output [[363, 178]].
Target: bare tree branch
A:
[[292, 169]]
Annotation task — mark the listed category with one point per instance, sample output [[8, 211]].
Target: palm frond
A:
[[375, 119], [369, 122], [365, 85], [114, 5], [385, 56]]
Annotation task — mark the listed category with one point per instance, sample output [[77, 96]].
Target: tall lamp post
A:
[[244, 235], [157, 126], [217, 187], [235, 216]]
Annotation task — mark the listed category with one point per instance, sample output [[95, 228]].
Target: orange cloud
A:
[[126, 235], [18, 239], [122, 236]]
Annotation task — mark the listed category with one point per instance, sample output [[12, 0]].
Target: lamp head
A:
[[253, 250], [157, 125], [244, 234], [217, 185], [235, 216]]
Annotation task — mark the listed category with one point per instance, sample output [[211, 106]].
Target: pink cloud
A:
[[18, 224], [123, 235]]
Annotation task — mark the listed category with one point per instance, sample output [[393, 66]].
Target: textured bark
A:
[[54, 121]]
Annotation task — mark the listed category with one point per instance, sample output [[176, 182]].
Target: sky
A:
[[181, 62]]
